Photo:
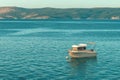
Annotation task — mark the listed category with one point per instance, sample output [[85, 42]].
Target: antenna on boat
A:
[[92, 43]]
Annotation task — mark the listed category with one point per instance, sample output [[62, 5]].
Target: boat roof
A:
[[75, 46], [83, 45], [80, 45]]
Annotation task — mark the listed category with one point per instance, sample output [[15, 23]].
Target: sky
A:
[[60, 3]]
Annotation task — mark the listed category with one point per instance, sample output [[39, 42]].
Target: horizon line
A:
[[58, 7]]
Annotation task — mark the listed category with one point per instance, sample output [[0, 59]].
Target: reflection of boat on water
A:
[[81, 61], [82, 66], [80, 51]]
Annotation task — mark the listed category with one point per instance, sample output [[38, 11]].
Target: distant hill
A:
[[58, 13]]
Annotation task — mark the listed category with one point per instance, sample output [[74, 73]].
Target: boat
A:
[[81, 51]]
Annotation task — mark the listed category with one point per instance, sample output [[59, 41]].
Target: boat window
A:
[[81, 48]]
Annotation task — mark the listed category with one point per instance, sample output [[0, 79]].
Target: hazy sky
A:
[[60, 3]]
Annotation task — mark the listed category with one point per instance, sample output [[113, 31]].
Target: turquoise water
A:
[[36, 50]]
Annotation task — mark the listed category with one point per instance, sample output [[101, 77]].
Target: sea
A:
[[37, 49]]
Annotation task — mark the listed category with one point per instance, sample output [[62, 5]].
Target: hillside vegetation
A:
[[58, 13]]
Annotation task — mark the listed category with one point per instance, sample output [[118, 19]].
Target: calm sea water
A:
[[36, 50]]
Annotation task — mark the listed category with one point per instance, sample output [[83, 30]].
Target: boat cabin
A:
[[81, 51], [79, 47]]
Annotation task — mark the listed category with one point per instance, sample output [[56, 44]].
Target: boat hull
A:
[[82, 54]]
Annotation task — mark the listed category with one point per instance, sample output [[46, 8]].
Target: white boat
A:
[[81, 51]]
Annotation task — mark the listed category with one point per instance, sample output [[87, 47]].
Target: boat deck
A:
[[82, 51]]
